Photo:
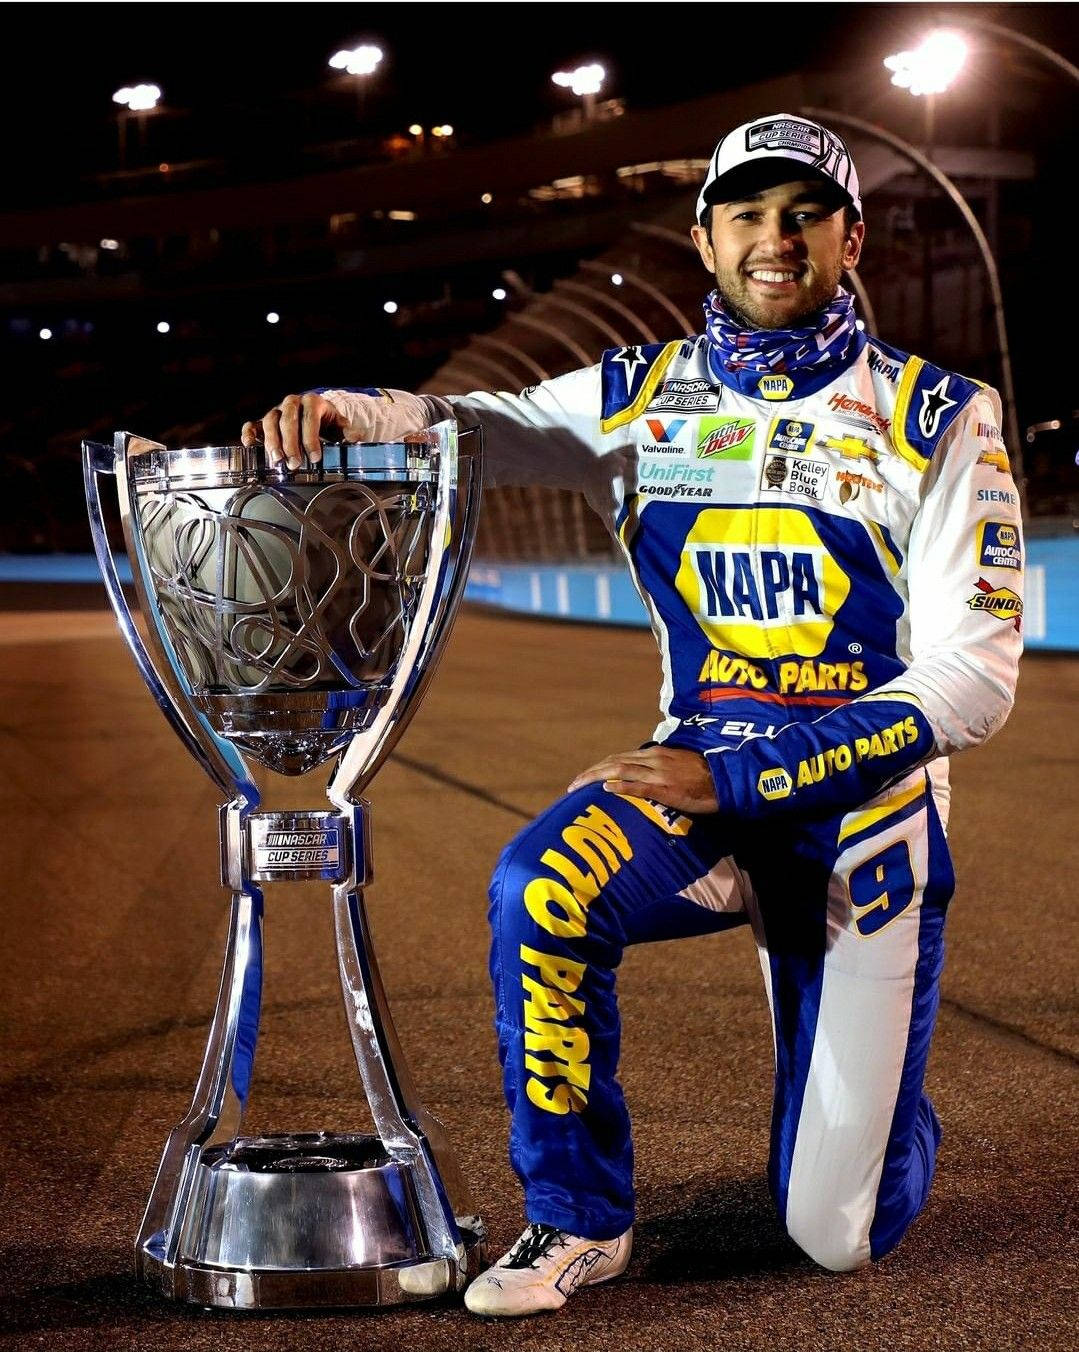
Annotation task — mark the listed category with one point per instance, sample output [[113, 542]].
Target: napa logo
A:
[[774, 784], [729, 438], [763, 600], [775, 387], [998, 546]]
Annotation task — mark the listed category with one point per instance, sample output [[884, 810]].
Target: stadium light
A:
[[931, 67], [617, 279], [362, 60], [390, 307], [163, 326], [138, 98], [45, 333], [585, 82], [273, 317], [499, 293]]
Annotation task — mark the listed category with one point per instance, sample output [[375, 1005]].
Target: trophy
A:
[[292, 617]]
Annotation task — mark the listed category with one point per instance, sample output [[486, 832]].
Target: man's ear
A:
[[699, 235], [852, 248]]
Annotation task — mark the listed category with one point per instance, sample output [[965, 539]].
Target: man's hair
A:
[[849, 217]]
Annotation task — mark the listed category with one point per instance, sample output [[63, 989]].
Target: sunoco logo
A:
[[731, 438], [999, 601]]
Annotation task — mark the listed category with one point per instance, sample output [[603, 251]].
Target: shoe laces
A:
[[536, 1243]]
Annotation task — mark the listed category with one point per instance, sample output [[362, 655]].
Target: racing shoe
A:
[[543, 1268]]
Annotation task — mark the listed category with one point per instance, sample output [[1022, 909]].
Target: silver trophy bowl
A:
[[292, 617]]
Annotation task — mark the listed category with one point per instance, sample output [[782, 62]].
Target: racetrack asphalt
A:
[[114, 926]]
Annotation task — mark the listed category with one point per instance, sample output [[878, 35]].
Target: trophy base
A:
[[305, 1220]]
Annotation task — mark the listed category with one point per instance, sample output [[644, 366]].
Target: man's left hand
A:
[[672, 776]]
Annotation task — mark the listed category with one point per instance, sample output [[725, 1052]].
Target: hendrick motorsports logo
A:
[[999, 601], [729, 438], [998, 546]]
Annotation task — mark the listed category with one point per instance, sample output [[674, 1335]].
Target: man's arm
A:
[[965, 585]]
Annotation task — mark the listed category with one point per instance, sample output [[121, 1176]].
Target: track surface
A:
[[113, 924]]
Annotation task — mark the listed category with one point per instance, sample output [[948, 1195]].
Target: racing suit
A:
[[831, 561]]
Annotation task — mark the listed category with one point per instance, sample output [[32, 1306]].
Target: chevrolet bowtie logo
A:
[[851, 448]]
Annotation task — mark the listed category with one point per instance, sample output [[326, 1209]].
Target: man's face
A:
[[778, 255]]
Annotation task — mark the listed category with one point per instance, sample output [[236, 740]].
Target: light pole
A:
[[585, 82], [140, 99], [361, 61], [909, 152]]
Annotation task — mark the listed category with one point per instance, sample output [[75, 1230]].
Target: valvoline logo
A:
[[665, 432], [731, 438], [760, 582]]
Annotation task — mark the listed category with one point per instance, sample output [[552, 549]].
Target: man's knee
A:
[[830, 1239]]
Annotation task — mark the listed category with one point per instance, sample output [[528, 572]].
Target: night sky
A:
[[251, 78]]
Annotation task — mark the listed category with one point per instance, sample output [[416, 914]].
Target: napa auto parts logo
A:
[[999, 601], [729, 438]]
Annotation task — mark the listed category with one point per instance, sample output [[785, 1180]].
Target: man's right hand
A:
[[293, 428]]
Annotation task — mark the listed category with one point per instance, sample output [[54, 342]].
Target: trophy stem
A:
[[409, 1132], [220, 1097]]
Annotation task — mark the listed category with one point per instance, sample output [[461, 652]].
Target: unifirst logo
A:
[[761, 599]]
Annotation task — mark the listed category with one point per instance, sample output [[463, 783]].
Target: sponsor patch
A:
[[726, 438], [999, 601], [790, 435], [775, 387], [850, 484], [773, 784], [845, 403], [850, 448], [997, 495], [997, 458], [675, 480], [990, 431], [935, 403], [801, 475], [783, 133], [998, 546], [882, 367], [685, 396], [761, 600]]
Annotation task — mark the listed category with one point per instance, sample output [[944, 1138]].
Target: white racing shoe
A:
[[543, 1268]]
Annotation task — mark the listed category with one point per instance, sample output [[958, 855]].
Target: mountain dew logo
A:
[[731, 438]]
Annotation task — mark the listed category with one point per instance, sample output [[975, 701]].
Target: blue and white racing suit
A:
[[831, 561]]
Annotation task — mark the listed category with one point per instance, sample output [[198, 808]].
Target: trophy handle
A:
[[432, 622], [217, 758]]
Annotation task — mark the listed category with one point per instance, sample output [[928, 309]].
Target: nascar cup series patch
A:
[[998, 546]]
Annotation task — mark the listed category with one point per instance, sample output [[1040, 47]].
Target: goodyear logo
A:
[[729, 438], [760, 600], [999, 601], [775, 387], [773, 784], [790, 435], [998, 546]]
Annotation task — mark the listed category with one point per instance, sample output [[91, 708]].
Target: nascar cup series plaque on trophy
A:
[[292, 617]]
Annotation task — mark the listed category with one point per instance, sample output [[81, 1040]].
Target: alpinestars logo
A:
[[631, 359], [935, 403]]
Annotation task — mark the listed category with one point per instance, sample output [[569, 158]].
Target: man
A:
[[827, 538]]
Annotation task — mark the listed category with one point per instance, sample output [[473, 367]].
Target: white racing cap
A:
[[771, 149]]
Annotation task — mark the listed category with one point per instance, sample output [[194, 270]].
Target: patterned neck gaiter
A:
[[824, 340]]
